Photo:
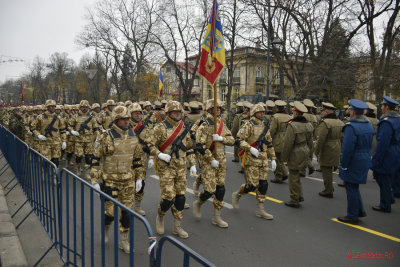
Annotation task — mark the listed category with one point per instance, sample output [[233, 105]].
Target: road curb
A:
[[11, 253]]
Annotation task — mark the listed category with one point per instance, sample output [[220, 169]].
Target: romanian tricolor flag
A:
[[212, 59], [21, 93], [160, 85]]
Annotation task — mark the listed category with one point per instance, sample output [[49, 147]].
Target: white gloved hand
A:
[[63, 145], [103, 131], [193, 171], [67, 133], [217, 138], [139, 184], [75, 133], [273, 165], [214, 163], [254, 152], [97, 186], [164, 157], [150, 164], [29, 132], [42, 137]]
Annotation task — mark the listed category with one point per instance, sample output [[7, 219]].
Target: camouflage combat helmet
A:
[[120, 112]]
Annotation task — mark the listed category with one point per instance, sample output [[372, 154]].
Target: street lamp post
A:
[[276, 41]]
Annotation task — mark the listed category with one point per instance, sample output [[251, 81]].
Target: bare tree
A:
[[179, 34]]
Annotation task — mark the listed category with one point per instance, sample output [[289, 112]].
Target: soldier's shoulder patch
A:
[[348, 123], [385, 118]]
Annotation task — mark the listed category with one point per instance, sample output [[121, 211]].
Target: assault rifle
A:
[[261, 139], [49, 129], [140, 130], [178, 143], [84, 125]]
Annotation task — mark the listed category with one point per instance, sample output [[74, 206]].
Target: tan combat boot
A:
[[260, 212], [196, 187], [160, 224], [186, 206], [69, 162], [178, 230], [106, 235], [124, 242], [197, 209], [138, 209], [235, 200], [217, 220]]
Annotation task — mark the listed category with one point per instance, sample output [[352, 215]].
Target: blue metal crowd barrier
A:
[[72, 212]]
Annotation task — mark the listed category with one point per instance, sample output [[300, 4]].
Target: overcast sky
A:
[[38, 27]]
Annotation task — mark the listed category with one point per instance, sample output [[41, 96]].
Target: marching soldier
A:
[[146, 108], [255, 140], [277, 129], [194, 114], [84, 127], [106, 118], [311, 118], [297, 150], [328, 146], [50, 130], [16, 125], [371, 115], [119, 147], [269, 110], [211, 148], [159, 114], [235, 128], [171, 144], [386, 158], [140, 161], [355, 159]]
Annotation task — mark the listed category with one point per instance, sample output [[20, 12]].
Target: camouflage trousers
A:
[[173, 183], [70, 147], [253, 175], [50, 150], [83, 148], [137, 174], [211, 177], [120, 187]]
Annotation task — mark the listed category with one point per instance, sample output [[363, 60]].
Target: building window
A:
[[259, 91], [196, 82], [258, 72], [237, 92], [237, 72], [209, 94], [223, 94], [223, 75]]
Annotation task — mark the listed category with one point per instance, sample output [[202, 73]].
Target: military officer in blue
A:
[[355, 160], [386, 157]]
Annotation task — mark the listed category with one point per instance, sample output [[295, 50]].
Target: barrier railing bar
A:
[[103, 245], [132, 244], [8, 166], [83, 224], [116, 233], [91, 230], [186, 259], [67, 215], [74, 215]]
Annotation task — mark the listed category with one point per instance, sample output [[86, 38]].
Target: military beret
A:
[[280, 103], [328, 105], [387, 100], [358, 104], [300, 107], [308, 103]]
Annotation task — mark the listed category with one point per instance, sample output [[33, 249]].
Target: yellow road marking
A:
[[269, 198], [369, 230], [335, 172], [229, 152]]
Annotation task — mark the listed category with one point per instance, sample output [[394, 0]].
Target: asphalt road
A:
[[296, 237]]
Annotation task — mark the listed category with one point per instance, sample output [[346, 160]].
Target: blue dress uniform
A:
[[355, 160], [386, 157]]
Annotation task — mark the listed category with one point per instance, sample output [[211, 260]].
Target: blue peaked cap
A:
[[358, 104], [389, 101]]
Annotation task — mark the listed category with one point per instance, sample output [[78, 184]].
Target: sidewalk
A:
[[25, 245]]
